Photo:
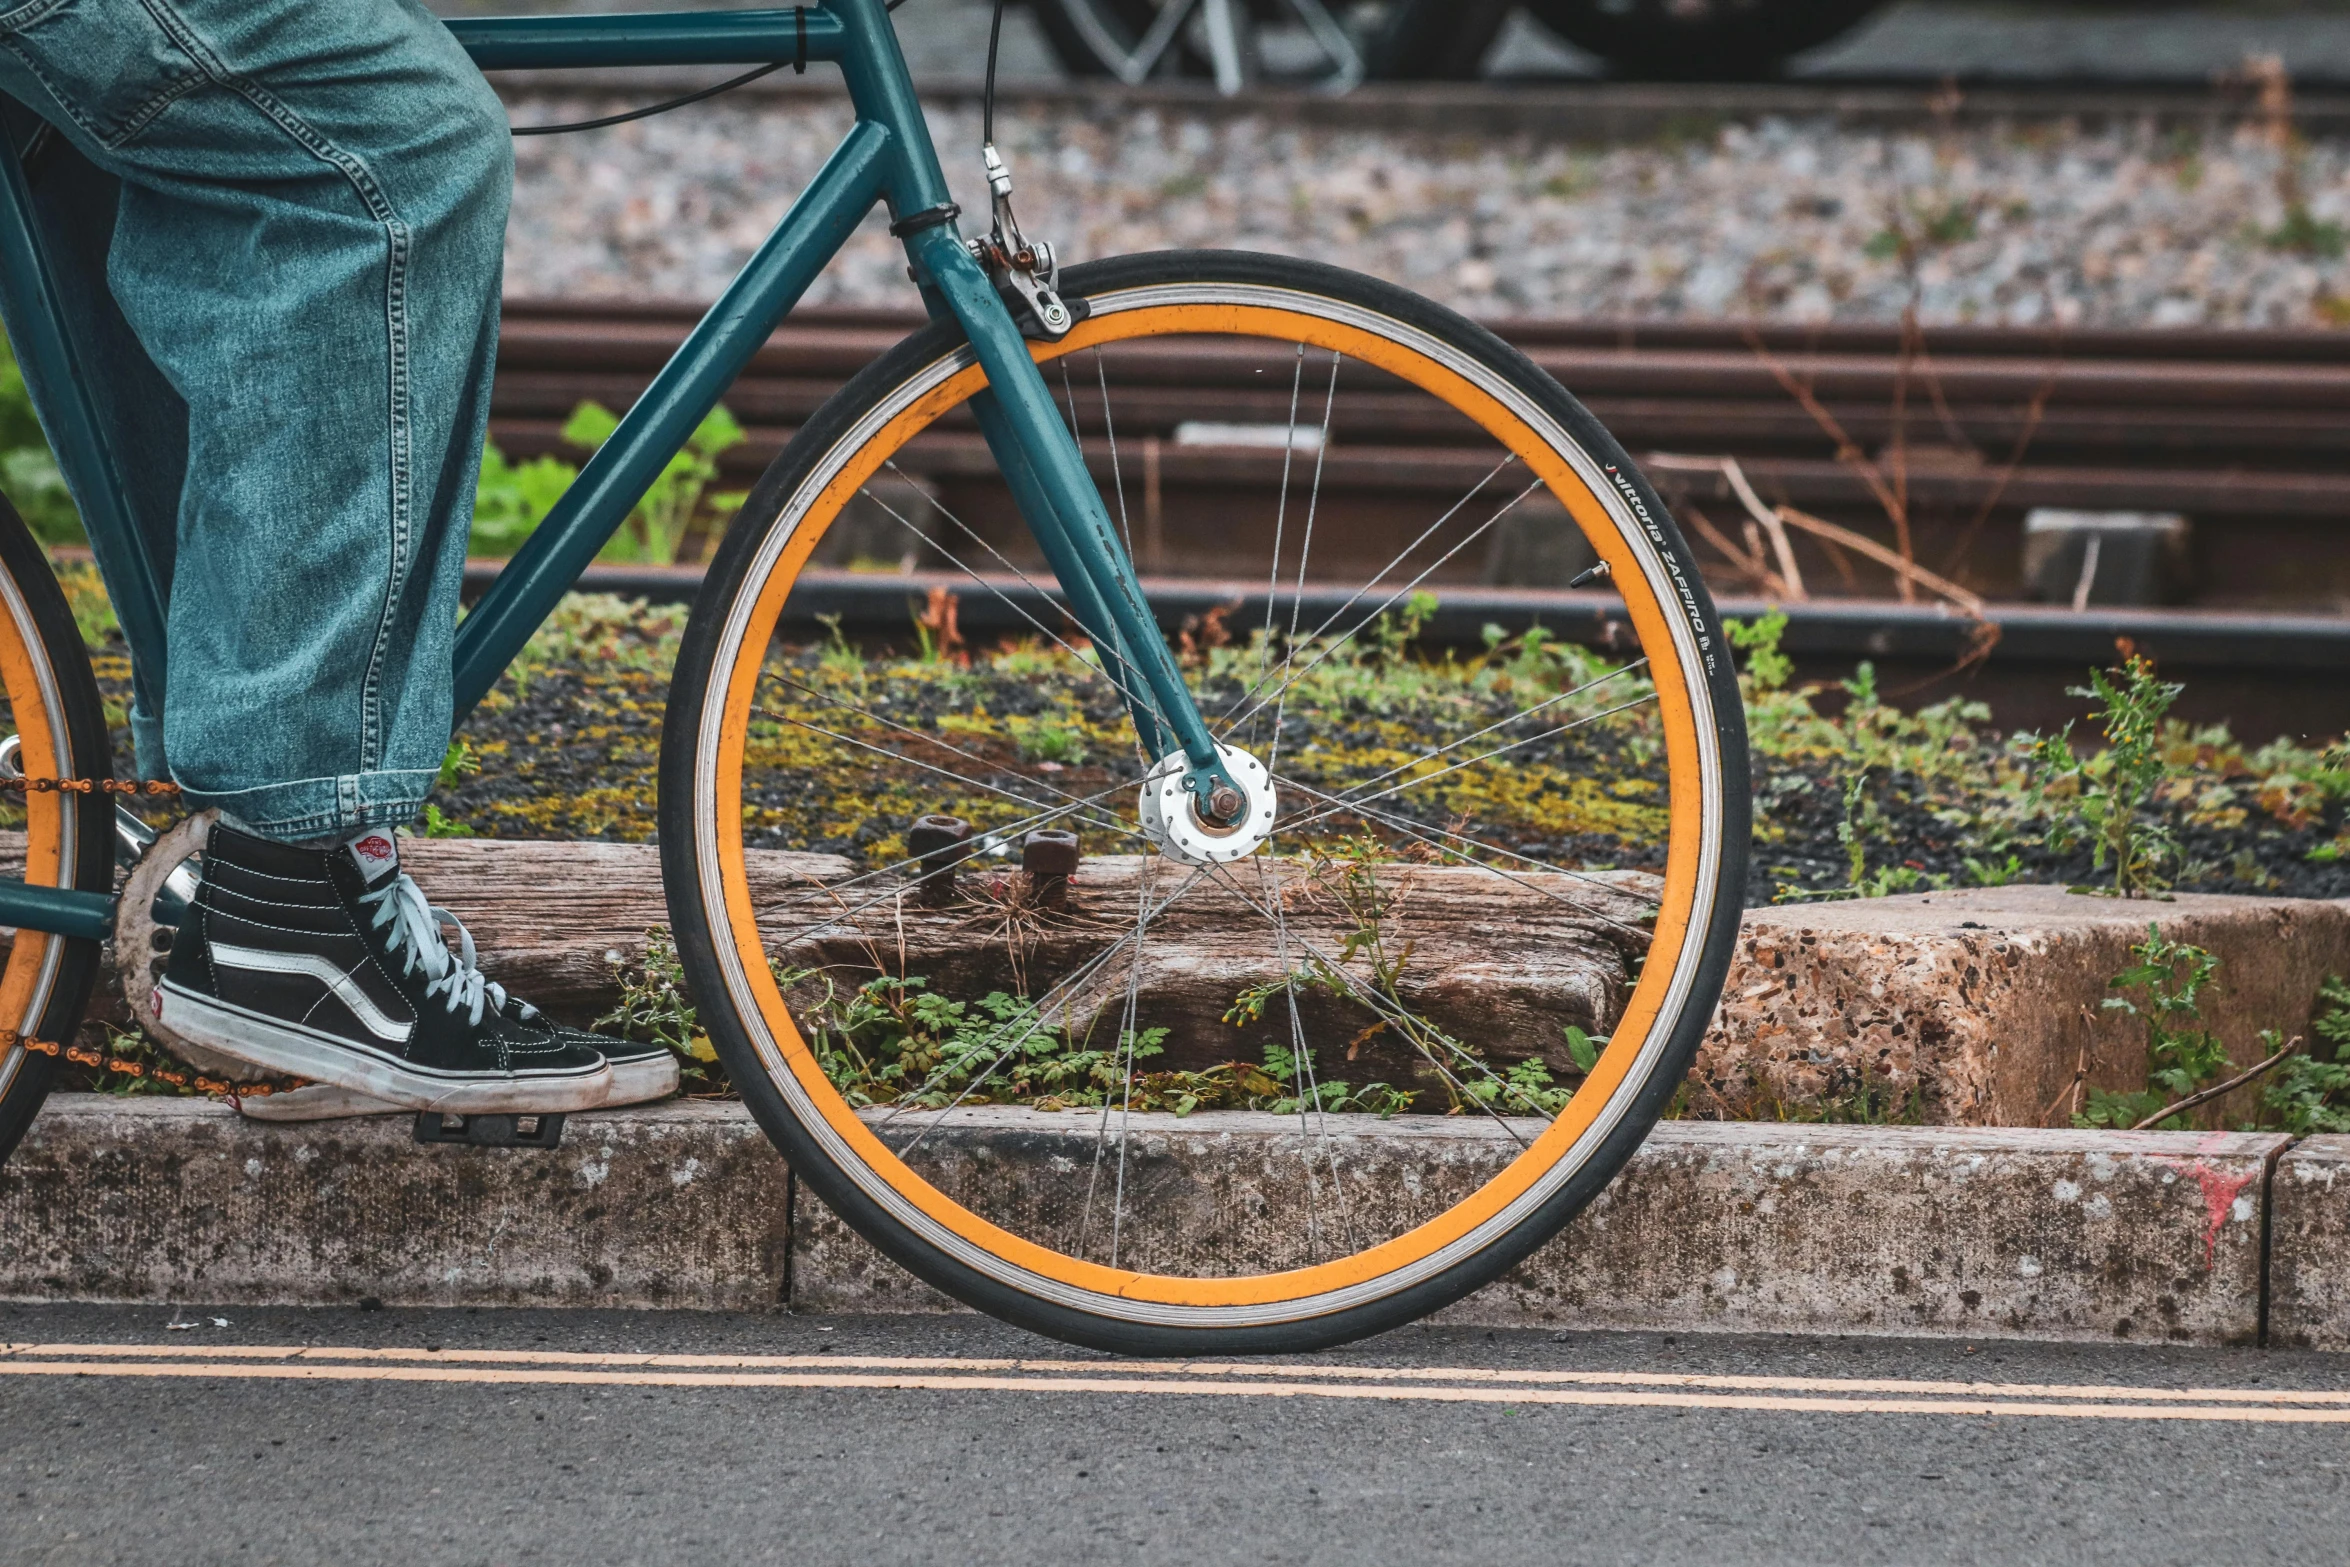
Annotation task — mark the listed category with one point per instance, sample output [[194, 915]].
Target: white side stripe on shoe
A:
[[311, 966]]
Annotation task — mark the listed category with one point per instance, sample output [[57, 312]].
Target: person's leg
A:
[[306, 246], [308, 241]]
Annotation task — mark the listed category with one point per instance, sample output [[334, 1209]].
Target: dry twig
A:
[[2206, 1095]]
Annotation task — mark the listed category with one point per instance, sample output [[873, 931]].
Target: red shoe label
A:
[[155, 1000], [375, 853]]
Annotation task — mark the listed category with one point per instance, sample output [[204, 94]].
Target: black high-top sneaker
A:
[[330, 965]]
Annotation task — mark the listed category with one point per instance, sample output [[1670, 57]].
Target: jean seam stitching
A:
[[398, 240], [140, 117], [328, 780]]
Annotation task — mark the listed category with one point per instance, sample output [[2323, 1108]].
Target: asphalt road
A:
[[548, 1437]]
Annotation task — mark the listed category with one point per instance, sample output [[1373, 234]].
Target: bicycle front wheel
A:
[[1434, 1011]]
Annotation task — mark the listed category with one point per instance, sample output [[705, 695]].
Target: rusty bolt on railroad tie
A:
[[941, 843], [1050, 858]]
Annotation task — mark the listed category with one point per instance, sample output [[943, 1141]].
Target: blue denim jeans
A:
[[281, 223]]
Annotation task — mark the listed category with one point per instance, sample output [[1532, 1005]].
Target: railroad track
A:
[[2248, 433]]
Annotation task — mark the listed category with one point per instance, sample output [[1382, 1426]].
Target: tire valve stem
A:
[[1598, 573]]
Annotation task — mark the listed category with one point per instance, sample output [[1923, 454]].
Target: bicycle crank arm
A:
[[1041, 461]]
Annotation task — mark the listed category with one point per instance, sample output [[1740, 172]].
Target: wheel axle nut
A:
[[1224, 804], [1050, 858], [941, 844]]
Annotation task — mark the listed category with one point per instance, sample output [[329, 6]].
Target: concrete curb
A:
[[1713, 1226]]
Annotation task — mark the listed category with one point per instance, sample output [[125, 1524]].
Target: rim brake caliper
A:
[[1025, 268]]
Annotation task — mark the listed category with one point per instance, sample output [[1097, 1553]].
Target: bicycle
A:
[[1274, 826]]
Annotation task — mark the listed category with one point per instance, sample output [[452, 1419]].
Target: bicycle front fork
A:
[[1046, 472]]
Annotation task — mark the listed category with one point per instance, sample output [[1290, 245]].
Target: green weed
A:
[[2169, 979], [28, 472], [2311, 1092], [654, 1006], [679, 506], [2104, 800]]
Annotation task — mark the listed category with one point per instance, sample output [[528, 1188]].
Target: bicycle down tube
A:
[[888, 157]]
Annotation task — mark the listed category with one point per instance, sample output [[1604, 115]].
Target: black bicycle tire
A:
[[697, 940], [1648, 42], [27, 568]]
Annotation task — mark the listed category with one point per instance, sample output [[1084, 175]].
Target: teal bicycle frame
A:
[[886, 157]]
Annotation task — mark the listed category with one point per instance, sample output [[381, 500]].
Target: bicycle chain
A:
[[89, 786], [202, 1084]]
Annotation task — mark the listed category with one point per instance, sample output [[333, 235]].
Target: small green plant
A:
[[2169, 978], [674, 505], [1994, 873], [654, 1006], [2105, 800], [1767, 669], [28, 471], [1393, 633], [457, 762], [2304, 233], [2310, 1092], [1330, 1095], [512, 498], [1863, 821], [439, 824]]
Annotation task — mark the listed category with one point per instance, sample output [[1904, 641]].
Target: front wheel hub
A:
[[1173, 820]]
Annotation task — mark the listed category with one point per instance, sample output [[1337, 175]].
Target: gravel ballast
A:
[[2120, 224]]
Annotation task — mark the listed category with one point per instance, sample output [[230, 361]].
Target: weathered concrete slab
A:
[[1987, 998], [176, 1199], [2057, 1234], [2309, 1245], [1973, 1232], [1712, 1226]]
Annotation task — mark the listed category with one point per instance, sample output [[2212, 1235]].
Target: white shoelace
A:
[[416, 937]]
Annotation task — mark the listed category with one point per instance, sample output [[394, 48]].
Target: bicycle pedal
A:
[[490, 1131]]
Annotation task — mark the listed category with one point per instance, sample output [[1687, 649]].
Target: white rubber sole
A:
[[633, 1082], [280, 1047]]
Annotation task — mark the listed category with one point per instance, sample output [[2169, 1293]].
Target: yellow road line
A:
[[990, 1382], [1845, 1386]]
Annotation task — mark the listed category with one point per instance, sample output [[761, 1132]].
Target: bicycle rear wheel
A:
[[52, 709], [1502, 884]]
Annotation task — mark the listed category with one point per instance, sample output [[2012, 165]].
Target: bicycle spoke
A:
[[1515, 718], [1394, 1012], [1305, 550], [926, 736], [1401, 556], [1281, 513], [1392, 599], [1412, 829], [1109, 433], [1500, 750], [1109, 654], [1302, 1063], [1043, 1005], [1126, 1043], [1044, 818]]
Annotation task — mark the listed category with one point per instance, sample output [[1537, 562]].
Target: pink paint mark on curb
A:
[[2220, 1192]]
